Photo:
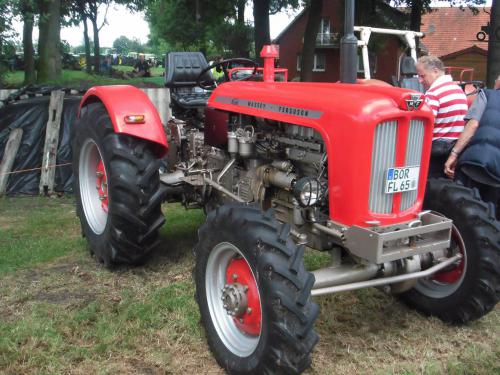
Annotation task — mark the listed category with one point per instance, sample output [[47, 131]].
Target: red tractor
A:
[[278, 167]]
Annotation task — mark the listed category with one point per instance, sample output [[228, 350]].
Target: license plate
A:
[[401, 179]]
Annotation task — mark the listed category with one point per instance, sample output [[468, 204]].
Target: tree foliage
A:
[[187, 24], [212, 27], [124, 45], [87, 12], [6, 35], [261, 11], [234, 38]]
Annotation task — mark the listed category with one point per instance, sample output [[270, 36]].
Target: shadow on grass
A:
[[178, 237]]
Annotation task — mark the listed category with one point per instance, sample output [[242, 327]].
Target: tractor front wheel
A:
[[117, 188], [471, 288], [254, 293]]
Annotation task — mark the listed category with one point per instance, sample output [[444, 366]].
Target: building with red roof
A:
[[383, 63], [450, 33], [459, 37]]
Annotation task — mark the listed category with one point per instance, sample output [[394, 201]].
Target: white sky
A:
[[123, 22]]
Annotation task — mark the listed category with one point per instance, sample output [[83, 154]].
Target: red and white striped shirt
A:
[[449, 105]]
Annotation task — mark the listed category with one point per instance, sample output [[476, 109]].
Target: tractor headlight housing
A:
[[308, 191]]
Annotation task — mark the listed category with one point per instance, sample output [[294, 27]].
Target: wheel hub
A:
[[240, 297], [234, 299], [453, 274]]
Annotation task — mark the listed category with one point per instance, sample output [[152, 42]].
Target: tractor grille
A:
[[413, 157], [383, 157]]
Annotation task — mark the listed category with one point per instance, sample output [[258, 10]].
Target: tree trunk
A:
[[261, 25], [416, 15], [241, 12], [310, 35], [49, 42], [493, 69], [197, 11], [97, 53], [29, 53], [88, 64]]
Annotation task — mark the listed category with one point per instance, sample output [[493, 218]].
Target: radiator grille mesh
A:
[[383, 158], [413, 157]]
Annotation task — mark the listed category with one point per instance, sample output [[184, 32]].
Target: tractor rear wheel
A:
[[254, 293], [471, 288], [117, 188]]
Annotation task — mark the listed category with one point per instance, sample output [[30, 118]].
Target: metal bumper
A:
[[378, 245], [319, 291]]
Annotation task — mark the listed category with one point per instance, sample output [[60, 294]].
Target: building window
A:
[[319, 62], [324, 35]]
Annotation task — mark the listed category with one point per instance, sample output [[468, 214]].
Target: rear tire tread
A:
[[134, 215], [480, 289]]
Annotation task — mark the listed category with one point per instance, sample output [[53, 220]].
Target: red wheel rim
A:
[[102, 185], [452, 275], [238, 271]]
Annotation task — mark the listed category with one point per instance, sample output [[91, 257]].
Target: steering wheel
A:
[[212, 84]]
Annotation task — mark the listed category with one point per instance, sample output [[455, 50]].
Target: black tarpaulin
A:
[[31, 115]]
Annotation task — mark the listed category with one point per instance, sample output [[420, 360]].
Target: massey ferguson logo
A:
[[414, 102]]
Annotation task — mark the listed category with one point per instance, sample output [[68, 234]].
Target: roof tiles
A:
[[450, 29]]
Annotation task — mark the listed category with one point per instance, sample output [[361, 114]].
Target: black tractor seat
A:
[[409, 79], [181, 72]]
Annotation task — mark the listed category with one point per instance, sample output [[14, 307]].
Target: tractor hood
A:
[[316, 105], [347, 116]]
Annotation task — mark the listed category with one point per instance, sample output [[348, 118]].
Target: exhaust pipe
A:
[[348, 47]]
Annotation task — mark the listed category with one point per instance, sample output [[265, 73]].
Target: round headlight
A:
[[308, 191]]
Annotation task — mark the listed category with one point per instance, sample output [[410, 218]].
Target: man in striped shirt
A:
[[449, 105]]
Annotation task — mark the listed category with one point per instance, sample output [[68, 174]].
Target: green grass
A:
[[82, 80], [123, 68], [36, 230], [62, 312], [55, 338], [155, 72]]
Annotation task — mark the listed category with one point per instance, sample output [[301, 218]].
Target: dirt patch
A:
[[4, 225], [7, 222], [62, 268], [142, 367], [64, 296], [33, 276]]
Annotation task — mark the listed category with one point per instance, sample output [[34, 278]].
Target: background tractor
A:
[[278, 167]]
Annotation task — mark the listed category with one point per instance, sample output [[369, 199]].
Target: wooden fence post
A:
[[9, 156], [51, 142]]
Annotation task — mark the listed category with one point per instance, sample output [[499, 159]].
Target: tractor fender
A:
[[125, 100]]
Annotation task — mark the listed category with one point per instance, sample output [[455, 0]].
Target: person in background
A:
[[218, 72], [141, 67], [106, 67], [473, 117], [475, 158], [449, 105]]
